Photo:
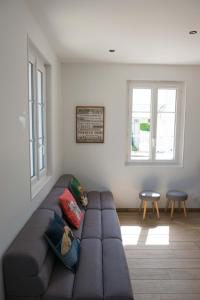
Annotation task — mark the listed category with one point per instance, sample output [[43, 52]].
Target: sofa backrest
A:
[[51, 201], [64, 181], [28, 262]]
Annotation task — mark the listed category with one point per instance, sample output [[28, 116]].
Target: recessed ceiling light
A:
[[112, 50], [193, 32]]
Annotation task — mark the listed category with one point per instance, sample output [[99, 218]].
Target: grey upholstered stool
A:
[[176, 196], [149, 196]]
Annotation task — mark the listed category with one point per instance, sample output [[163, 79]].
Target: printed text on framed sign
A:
[[90, 124]]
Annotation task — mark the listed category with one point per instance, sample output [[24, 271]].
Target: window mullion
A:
[[154, 122]]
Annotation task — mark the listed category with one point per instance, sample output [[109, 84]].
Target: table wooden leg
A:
[[157, 209], [167, 205], [141, 205], [172, 208], [179, 205], [153, 206], [145, 209], [184, 209]]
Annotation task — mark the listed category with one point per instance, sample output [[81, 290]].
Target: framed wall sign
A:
[[90, 124]]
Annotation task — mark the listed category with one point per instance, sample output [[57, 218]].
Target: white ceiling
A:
[[141, 31]]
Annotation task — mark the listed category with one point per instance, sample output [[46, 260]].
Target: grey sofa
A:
[[32, 272]]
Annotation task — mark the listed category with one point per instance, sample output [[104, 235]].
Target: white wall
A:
[[103, 166], [15, 203]]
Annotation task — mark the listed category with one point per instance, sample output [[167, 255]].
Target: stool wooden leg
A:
[[172, 208], [157, 209], [184, 209], [167, 205], [179, 205], [145, 209], [141, 205], [153, 206]]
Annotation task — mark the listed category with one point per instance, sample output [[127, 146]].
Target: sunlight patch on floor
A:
[[130, 234], [158, 236]]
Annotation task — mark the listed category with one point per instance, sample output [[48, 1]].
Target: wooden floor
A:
[[163, 256]]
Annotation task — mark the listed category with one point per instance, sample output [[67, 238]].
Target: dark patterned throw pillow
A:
[[63, 243]]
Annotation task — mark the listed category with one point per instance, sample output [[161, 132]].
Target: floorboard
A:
[[163, 255]]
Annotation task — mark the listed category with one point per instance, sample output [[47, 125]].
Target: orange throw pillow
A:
[[70, 208]]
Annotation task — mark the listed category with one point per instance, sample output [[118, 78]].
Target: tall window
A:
[[37, 116], [156, 119]]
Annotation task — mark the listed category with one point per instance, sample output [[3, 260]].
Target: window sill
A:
[[145, 163], [39, 185]]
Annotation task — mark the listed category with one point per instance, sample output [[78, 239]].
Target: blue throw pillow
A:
[[63, 243], [59, 220], [55, 230]]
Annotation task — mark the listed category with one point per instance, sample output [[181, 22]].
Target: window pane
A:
[[141, 100], [40, 120], [30, 81], [39, 87], [141, 120], [41, 154], [165, 136], [40, 111], [31, 120], [32, 162], [140, 143], [166, 100]]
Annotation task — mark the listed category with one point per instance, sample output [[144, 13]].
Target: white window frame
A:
[[40, 177], [179, 121]]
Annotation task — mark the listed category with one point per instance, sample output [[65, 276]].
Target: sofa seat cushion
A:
[[110, 224], [88, 283], [94, 200], [100, 200], [116, 280], [60, 285], [92, 224], [107, 200]]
